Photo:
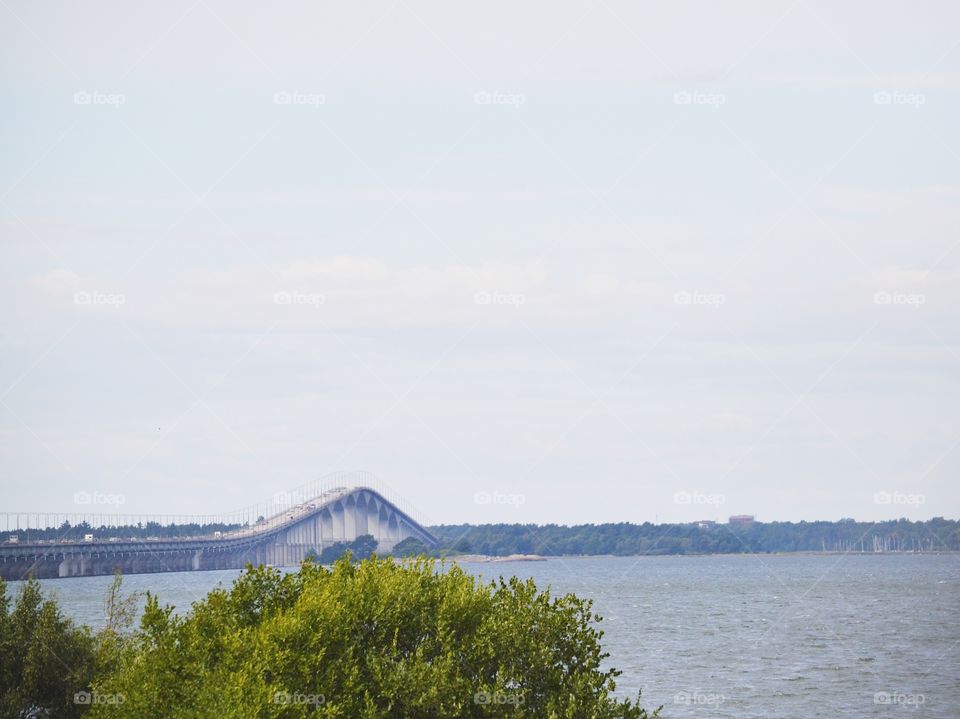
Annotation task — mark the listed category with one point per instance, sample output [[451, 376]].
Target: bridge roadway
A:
[[340, 514]]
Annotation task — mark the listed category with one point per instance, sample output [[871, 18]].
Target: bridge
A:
[[308, 519]]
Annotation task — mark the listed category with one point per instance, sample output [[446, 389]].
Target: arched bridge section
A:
[[339, 514]]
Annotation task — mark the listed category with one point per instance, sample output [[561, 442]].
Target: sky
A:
[[551, 262]]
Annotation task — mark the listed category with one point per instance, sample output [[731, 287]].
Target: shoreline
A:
[[492, 558]]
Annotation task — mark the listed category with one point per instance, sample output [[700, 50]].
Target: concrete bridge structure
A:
[[335, 514]]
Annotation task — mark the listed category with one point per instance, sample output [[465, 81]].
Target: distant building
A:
[[741, 519], [706, 524]]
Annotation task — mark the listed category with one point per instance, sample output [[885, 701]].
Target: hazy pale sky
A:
[[603, 261]]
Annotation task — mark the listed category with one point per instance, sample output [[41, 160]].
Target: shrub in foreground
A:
[[374, 639], [44, 658]]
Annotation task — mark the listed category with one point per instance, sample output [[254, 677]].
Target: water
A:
[[731, 635]]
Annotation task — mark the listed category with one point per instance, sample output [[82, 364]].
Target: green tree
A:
[[332, 553], [360, 548], [370, 640], [119, 610], [409, 547], [120, 614], [363, 546], [463, 546], [45, 660]]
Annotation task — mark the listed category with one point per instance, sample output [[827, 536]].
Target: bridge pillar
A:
[[360, 515], [339, 532], [350, 519], [389, 532], [373, 518], [42, 567], [326, 528], [383, 524], [69, 566]]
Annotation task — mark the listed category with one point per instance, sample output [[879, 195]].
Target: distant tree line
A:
[[625, 538], [141, 530]]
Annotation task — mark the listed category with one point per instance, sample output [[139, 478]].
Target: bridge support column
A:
[[339, 531]]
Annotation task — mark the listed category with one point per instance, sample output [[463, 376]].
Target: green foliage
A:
[[463, 545], [410, 547], [120, 610], [120, 615], [370, 640], [360, 548], [625, 538], [330, 554], [45, 660], [363, 546]]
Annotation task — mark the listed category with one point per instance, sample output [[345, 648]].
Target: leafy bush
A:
[[369, 640], [362, 547], [45, 660], [410, 547]]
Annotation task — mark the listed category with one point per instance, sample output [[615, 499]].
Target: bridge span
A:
[[284, 538]]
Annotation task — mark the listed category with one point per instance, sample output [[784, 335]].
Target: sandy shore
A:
[[478, 558]]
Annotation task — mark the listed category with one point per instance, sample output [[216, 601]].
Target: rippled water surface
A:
[[731, 636]]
